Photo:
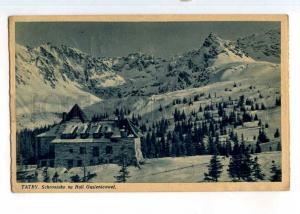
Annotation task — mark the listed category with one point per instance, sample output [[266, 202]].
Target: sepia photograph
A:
[[149, 103]]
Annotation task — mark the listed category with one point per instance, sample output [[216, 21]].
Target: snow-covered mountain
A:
[[262, 46], [55, 77], [146, 75], [51, 79]]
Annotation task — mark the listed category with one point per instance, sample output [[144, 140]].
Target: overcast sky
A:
[[119, 39]]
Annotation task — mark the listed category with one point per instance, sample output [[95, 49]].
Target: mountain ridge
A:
[[72, 76]]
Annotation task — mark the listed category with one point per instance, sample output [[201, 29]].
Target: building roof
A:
[[71, 130], [75, 113]]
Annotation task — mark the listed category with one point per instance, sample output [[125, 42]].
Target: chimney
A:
[[123, 133]]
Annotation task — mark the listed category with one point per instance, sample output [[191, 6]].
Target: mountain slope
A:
[[50, 79], [262, 46], [42, 87]]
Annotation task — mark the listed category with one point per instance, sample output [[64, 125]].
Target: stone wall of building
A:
[[43, 147], [86, 154]]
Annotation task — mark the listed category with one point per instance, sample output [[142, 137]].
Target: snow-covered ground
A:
[[162, 170]]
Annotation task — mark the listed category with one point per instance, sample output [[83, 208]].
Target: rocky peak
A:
[[213, 40]]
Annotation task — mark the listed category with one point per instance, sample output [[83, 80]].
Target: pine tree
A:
[[259, 122], [212, 148], [175, 151], [189, 145], [278, 102], [236, 149], [279, 146], [123, 173], [163, 147], [55, 178], [214, 169], [240, 167], [75, 178], [160, 108], [202, 148], [228, 149], [276, 172], [246, 167], [148, 147], [277, 134], [257, 173], [234, 168], [200, 108], [46, 177], [257, 106], [153, 151], [257, 148], [262, 137]]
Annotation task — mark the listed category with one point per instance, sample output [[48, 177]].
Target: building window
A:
[[100, 160], [91, 162], [95, 151], [82, 150], [44, 163], [51, 163], [109, 150], [71, 150], [51, 149], [70, 163], [79, 163]]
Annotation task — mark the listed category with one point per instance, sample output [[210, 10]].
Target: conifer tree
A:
[[202, 148], [200, 108], [175, 145], [278, 102], [240, 167], [123, 173], [257, 173], [55, 178], [277, 134], [75, 178], [160, 108], [228, 149], [246, 167], [148, 145], [262, 137], [46, 177], [153, 151], [279, 146], [214, 169], [236, 149], [212, 148], [276, 172], [257, 148], [234, 168], [163, 147]]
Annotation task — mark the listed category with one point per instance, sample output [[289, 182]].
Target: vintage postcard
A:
[[149, 103]]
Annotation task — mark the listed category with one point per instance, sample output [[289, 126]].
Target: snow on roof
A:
[[98, 128], [72, 130], [81, 140], [84, 128]]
